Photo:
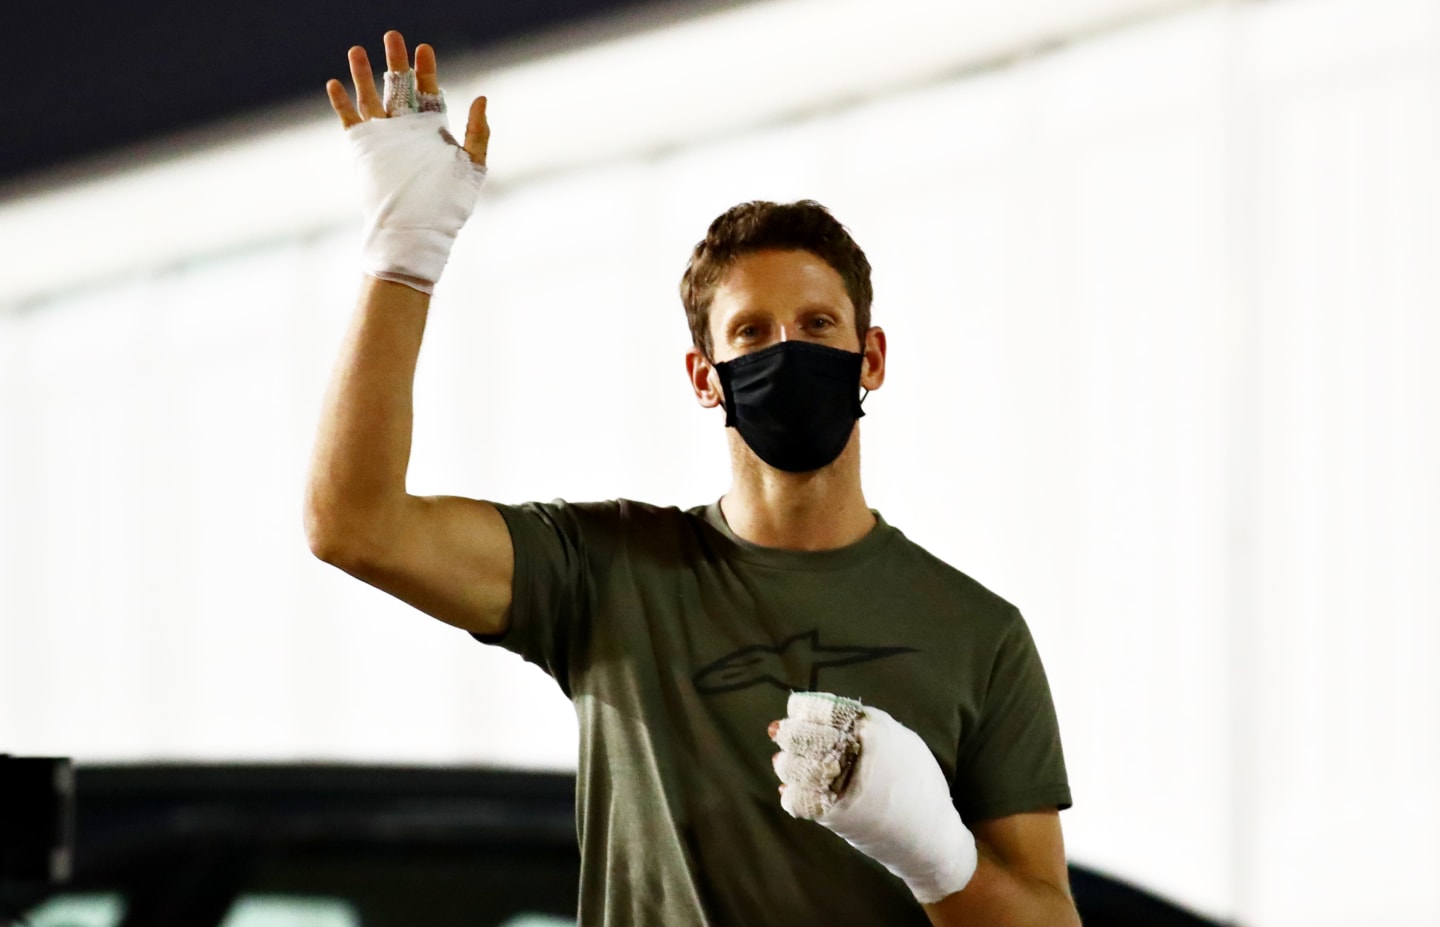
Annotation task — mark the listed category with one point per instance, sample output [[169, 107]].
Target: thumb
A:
[[477, 132]]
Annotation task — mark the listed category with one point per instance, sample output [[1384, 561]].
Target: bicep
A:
[[448, 556], [1029, 844]]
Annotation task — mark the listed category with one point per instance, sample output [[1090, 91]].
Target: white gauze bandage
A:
[[873, 781], [417, 186], [402, 97]]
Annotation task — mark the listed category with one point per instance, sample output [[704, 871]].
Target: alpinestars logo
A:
[[792, 665]]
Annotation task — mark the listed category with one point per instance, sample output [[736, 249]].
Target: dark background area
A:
[[446, 847], [94, 77]]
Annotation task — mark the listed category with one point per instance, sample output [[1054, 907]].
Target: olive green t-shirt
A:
[[679, 643]]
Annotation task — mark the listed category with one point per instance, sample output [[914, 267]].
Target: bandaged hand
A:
[[418, 185], [870, 779]]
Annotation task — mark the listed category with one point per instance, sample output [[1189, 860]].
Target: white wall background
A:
[[1162, 308]]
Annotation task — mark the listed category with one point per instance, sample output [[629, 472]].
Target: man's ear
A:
[[703, 379], [872, 370]]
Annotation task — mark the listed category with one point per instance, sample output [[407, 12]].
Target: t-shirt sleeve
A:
[[1013, 762], [556, 544]]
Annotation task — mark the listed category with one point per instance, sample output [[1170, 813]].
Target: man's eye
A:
[[746, 331], [821, 323]]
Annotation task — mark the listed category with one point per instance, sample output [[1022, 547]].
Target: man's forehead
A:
[[779, 281]]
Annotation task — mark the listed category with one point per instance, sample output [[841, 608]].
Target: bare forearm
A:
[[362, 450], [1000, 897]]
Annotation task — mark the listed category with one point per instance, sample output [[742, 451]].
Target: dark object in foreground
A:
[[198, 846], [37, 819]]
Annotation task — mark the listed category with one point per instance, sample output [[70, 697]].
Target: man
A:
[[927, 785]]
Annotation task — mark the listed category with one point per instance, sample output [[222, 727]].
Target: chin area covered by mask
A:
[[794, 403]]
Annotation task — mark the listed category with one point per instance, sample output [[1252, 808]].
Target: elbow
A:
[[323, 539], [335, 536], [326, 540]]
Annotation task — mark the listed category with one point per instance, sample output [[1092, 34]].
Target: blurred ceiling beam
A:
[[556, 104]]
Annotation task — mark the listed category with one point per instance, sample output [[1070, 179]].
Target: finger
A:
[[788, 768], [804, 803], [340, 102], [773, 728], [395, 57], [365, 93], [809, 738], [477, 133], [426, 77], [805, 771], [824, 708]]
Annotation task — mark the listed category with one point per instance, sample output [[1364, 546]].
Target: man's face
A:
[[772, 296]]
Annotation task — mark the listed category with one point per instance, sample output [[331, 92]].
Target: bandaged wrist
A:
[[895, 807], [418, 187]]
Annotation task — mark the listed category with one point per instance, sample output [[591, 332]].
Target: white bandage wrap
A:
[[818, 746], [417, 187], [402, 98], [896, 806]]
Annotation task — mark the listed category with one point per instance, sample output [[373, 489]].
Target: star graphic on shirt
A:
[[794, 664]]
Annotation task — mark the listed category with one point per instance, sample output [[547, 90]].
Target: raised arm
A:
[[449, 557]]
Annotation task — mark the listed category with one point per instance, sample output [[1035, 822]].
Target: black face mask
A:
[[795, 403]]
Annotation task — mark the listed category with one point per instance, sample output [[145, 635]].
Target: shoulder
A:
[[606, 511], [949, 588], [606, 522]]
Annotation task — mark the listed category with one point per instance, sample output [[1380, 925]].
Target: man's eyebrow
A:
[[751, 313], [744, 316]]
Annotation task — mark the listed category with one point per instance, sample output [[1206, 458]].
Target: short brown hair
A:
[[764, 226]]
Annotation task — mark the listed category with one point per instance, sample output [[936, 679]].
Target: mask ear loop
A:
[[865, 396]]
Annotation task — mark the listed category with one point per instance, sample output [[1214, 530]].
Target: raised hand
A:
[[370, 105], [417, 184]]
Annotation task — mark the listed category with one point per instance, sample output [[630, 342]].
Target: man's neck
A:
[[823, 510]]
